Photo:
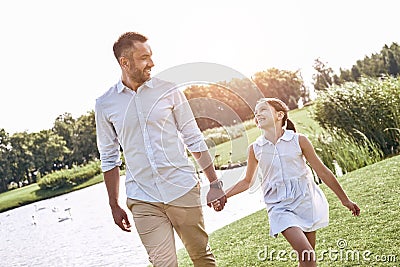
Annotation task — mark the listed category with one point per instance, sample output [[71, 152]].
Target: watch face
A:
[[217, 184]]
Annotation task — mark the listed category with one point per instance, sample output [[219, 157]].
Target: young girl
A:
[[296, 205]]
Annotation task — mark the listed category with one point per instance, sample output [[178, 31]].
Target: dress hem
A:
[[304, 229]]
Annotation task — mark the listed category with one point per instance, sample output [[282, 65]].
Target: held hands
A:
[[216, 196], [355, 210], [217, 205], [121, 218]]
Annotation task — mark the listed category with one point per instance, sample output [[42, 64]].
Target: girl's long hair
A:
[[279, 105]]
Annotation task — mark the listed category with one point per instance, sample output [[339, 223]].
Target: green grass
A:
[[375, 188], [32, 193], [234, 150], [304, 122]]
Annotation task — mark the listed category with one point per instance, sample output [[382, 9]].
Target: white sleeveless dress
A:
[[290, 193]]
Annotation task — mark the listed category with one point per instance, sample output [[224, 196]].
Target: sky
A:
[[56, 56]]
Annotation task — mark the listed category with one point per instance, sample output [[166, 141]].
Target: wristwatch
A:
[[216, 184]]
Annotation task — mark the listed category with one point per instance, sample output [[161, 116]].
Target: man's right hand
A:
[[121, 218]]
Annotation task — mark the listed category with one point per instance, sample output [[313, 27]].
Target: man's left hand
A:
[[216, 195]]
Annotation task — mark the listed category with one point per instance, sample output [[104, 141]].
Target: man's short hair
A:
[[126, 41]]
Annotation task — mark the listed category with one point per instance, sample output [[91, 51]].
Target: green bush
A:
[[370, 108], [340, 150], [70, 177]]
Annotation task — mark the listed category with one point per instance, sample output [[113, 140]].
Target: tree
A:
[[393, 68], [48, 149], [355, 73], [386, 62], [248, 92], [283, 84], [345, 76], [20, 157], [5, 172], [64, 126], [216, 105], [325, 76], [223, 103], [84, 139]]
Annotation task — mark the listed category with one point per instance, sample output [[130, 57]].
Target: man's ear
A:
[[124, 62]]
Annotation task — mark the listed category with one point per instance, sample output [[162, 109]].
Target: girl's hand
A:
[[216, 195], [355, 210], [217, 205]]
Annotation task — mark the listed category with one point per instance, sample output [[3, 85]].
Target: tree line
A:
[[386, 62], [228, 103], [24, 157]]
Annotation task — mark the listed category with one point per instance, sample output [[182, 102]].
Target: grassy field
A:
[[369, 240], [32, 193], [304, 122]]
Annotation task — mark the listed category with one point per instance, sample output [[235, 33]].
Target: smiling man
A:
[[151, 120]]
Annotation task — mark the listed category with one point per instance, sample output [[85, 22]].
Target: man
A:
[[152, 121]]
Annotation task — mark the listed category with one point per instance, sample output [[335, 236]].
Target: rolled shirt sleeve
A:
[[186, 124], [107, 141]]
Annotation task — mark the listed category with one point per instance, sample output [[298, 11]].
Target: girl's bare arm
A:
[[246, 182], [325, 174]]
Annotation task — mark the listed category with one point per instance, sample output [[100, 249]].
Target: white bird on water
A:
[[38, 209], [33, 220], [54, 209], [69, 217]]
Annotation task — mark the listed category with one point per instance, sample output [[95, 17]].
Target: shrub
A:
[[370, 108], [342, 150], [70, 177]]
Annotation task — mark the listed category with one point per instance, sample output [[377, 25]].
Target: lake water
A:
[[77, 229]]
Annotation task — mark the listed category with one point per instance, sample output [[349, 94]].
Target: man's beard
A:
[[140, 76]]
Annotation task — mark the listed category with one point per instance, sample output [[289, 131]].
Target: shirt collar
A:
[[121, 86], [287, 136]]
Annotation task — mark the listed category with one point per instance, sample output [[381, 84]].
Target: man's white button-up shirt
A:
[[152, 126]]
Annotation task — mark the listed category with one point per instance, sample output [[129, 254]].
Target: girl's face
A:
[[266, 116]]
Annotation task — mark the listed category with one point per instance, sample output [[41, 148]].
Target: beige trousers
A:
[[155, 222]]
